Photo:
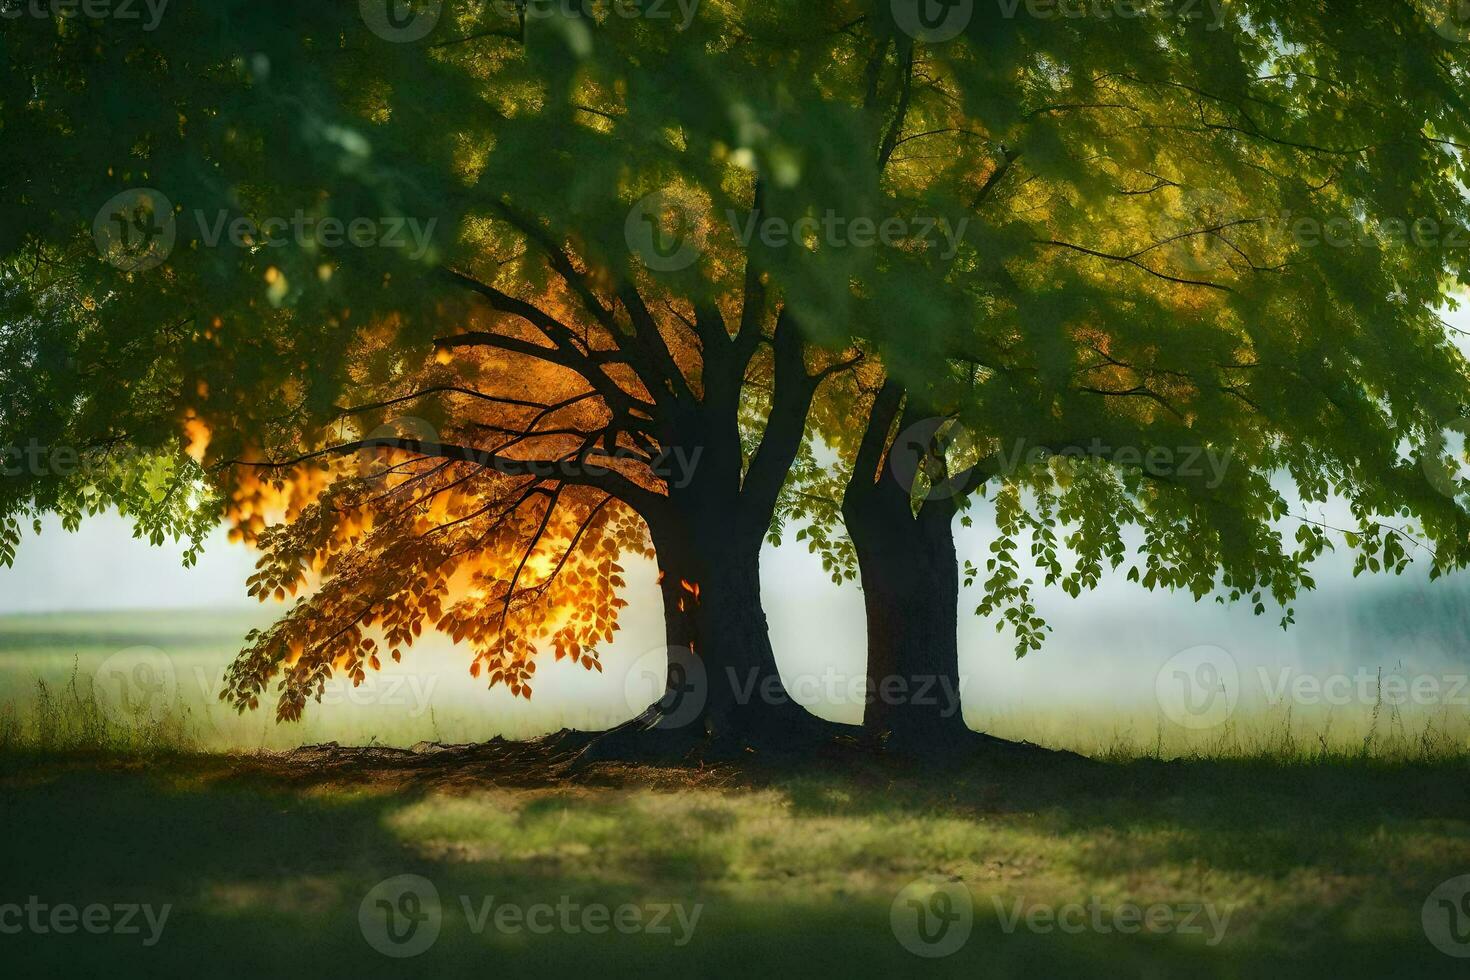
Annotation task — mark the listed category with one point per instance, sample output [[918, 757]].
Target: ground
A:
[[1263, 867]]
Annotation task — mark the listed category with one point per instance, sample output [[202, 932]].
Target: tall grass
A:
[[1381, 732], [72, 719]]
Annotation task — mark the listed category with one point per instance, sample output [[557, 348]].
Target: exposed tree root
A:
[[641, 746]]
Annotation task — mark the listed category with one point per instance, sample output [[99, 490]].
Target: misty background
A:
[[1104, 656]]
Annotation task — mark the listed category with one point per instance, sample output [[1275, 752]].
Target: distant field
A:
[[170, 664], [159, 673]]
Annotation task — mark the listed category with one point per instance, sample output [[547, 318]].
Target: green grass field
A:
[[1270, 849]]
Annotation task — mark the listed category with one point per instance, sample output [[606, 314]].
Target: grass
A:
[[1308, 845], [184, 654], [1313, 869], [1378, 731]]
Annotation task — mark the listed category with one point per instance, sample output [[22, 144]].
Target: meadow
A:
[[141, 679], [1270, 845]]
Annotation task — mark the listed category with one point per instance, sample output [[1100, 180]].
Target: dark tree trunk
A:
[[722, 687], [910, 581], [708, 540], [712, 610]]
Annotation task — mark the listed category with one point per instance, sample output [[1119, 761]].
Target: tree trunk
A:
[[910, 582], [708, 540], [730, 688]]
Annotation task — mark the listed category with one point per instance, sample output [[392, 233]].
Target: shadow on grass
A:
[[1250, 815], [265, 867]]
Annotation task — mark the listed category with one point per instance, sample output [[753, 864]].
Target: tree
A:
[[284, 355], [1189, 237]]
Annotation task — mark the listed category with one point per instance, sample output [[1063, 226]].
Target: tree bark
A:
[[712, 609], [910, 580], [708, 537]]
